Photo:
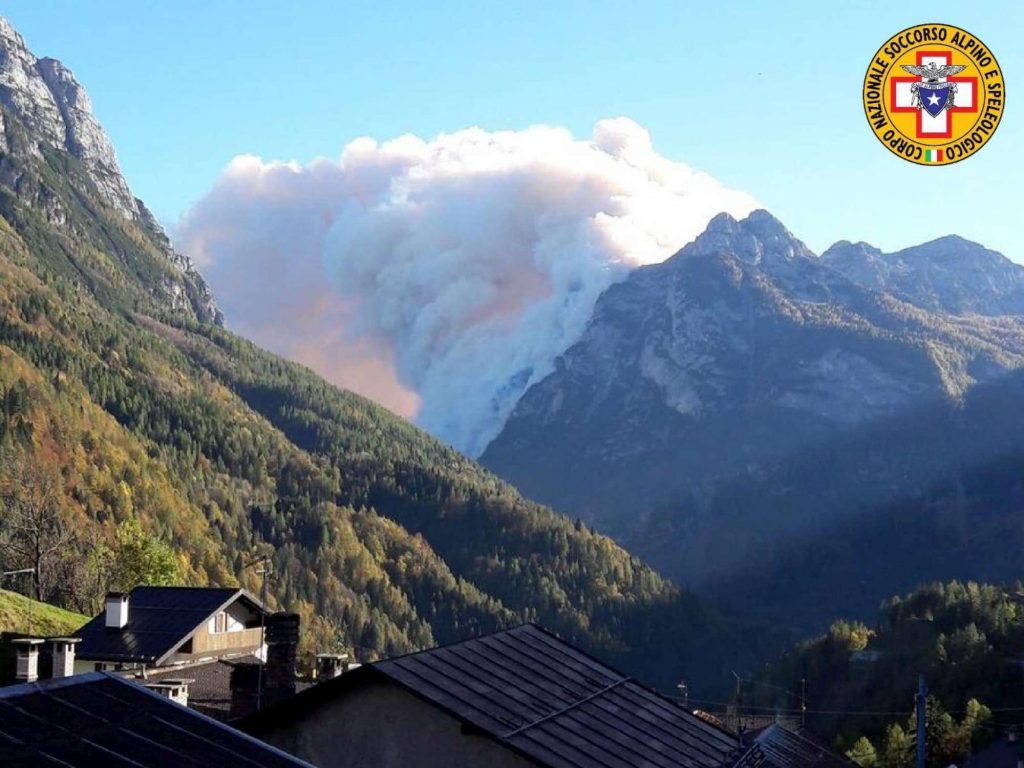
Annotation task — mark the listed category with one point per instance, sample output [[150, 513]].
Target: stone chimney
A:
[[64, 655], [27, 649], [330, 665], [282, 638], [258, 686], [117, 610]]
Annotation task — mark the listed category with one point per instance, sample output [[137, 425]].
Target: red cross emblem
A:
[[940, 126]]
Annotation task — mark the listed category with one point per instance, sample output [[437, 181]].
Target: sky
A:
[[765, 97]]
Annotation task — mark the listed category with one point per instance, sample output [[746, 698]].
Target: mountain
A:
[[949, 275], [58, 160], [744, 406], [122, 397]]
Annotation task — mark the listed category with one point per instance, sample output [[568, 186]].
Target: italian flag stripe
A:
[[933, 155]]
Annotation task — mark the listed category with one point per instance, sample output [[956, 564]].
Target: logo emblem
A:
[[934, 94]]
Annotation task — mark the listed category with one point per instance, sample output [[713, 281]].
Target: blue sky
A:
[[764, 96]]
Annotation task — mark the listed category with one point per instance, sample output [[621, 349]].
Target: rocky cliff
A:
[[47, 116]]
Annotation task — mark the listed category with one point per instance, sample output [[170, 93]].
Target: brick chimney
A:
[[248, 692], [116, 610], [27, 649], [282, 638], [63, 649]]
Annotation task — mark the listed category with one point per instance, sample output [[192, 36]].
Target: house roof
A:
[[160, 619], [209, 688], [100, 719], [1001, 753], [779, 747], [539, 696]]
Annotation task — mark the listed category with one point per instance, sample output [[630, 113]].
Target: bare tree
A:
[[33, 533]]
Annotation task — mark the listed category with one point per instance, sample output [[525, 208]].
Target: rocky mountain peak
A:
[[47, 99], [41, 98], [760, 239], [949, 274]]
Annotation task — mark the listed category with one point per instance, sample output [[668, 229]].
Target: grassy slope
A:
[[22, 614]]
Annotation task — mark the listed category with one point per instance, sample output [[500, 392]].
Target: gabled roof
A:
[[160, 620], [779, 747], [540, 697], [100, 719]]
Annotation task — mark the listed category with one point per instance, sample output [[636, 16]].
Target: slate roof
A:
[[210, 688], [540, 697], [159, 620], [780, 747], [100, 719]]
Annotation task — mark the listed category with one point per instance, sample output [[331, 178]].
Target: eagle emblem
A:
[[934, 93]]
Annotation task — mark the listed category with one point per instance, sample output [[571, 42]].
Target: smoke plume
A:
[[443, 277]]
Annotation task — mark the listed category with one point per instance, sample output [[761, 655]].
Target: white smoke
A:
[[443, 277]]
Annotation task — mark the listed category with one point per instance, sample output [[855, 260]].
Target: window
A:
[[220, 623]]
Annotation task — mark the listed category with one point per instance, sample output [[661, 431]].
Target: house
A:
[[170, 626], [101, 719], [520, 697], [224, 687]]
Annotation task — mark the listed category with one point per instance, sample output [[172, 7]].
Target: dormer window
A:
[[220, 622]]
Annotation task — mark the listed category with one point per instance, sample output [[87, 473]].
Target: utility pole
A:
[[265, 570], [31, 572], [684, 694], [736, 706], [803, 702], [922, 716]]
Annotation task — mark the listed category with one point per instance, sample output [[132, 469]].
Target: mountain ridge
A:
[[714, 369]]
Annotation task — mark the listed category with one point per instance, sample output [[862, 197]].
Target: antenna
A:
[[266, 568]]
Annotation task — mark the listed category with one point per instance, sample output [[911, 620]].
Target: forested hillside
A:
[[967, 639], [123, 401]]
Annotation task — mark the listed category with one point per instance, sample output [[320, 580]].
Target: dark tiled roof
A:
[[210, 688], [999, 754], [159, 619], [779, 747], [100, 719], [542, 698]]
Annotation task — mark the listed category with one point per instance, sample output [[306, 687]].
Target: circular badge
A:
[[933, 94]]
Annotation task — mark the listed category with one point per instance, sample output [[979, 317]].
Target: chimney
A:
[[117, 610], [330, 665], [282, 638], [64, 655], [175, 689], [244, 688], [27, 649], [258, 686]]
